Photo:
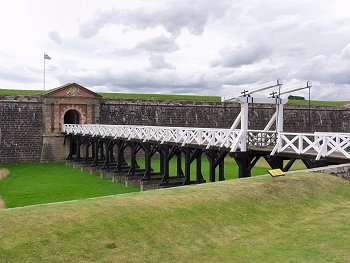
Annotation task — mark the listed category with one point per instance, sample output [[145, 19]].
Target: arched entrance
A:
[[71, 117]]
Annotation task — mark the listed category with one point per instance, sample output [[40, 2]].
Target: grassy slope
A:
[[318, 103], [171, 97], [38, 183], [231, 168], [299, 218]]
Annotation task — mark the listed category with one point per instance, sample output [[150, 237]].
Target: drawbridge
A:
[[104, 147]]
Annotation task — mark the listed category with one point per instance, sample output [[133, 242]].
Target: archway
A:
[[71, 117]]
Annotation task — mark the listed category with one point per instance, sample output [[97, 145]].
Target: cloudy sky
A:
[[181, 47]]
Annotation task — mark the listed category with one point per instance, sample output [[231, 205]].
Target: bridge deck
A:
[[335, 145]]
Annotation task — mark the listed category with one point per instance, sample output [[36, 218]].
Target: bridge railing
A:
[[209, 137], [319, 144], [261, 138]]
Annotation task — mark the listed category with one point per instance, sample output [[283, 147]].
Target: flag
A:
[[46, 56]]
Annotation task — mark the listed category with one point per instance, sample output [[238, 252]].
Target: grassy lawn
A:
[[172, 97], [296, 218], [318, 103], [124, 95], [38, 183], [231, 168]]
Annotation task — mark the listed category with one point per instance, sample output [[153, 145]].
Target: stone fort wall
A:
[[21, 129], [22, 122], [221, 115]]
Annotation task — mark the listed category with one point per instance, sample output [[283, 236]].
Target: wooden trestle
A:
[[107, 156]]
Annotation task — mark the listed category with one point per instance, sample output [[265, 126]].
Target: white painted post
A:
[[244, 124], [279, 124]]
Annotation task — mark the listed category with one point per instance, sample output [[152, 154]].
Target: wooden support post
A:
[[87, 148], [77, 157], [165, 150], [211, 155], [289, 165], [120, 155], [276, 162], [70, 154], [148, 162], [216, 159], [133, 162], [199, 176], [179, 171], [101, 145], [109, 154], [93, 149], [222, 170], [97, 143], [187, 152], [242, 160], [161, 161], [243, 166]]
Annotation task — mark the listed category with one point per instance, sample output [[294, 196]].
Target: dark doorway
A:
[[71, 117]]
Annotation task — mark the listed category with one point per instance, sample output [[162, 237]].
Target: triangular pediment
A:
[[71, 90]]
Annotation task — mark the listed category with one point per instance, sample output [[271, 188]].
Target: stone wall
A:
[[21, 124], [341, 170], [220, 115], [23, 118]]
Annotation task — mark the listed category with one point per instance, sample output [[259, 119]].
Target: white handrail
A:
[[321, 144]]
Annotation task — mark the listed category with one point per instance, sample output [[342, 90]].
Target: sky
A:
[[177, 47]]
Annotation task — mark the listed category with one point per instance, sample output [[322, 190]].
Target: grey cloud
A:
[[159, 44], [55, 36], [19, 74], [345, 53], [173, 16], [242, 55], [142, 80], [158, 62]]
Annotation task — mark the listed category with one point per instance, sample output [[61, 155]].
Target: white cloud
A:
[[173, 46], [159, 44], [55, 36], [172, 15], [157, 61]]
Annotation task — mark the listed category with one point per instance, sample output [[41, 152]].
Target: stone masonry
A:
[[30, 126]]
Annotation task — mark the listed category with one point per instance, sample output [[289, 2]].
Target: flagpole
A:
[[44, 71]]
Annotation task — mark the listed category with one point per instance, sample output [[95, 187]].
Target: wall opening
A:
[[71, 117]]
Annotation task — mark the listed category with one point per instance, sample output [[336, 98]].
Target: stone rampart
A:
[[23, 118], [21, 126]]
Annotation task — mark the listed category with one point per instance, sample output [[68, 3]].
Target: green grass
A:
[[21, 92], [231, 168], [318, 103], [171, 97], [296, 218], [124, 95], [39, 183], [160, 97]]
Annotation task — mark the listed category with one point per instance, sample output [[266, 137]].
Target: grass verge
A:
[[44, 183], [39, 183], [3, 174], [171, 97], [297, 218]]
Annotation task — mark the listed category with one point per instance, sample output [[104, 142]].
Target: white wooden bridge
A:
[[319, 144], [239, 141]]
